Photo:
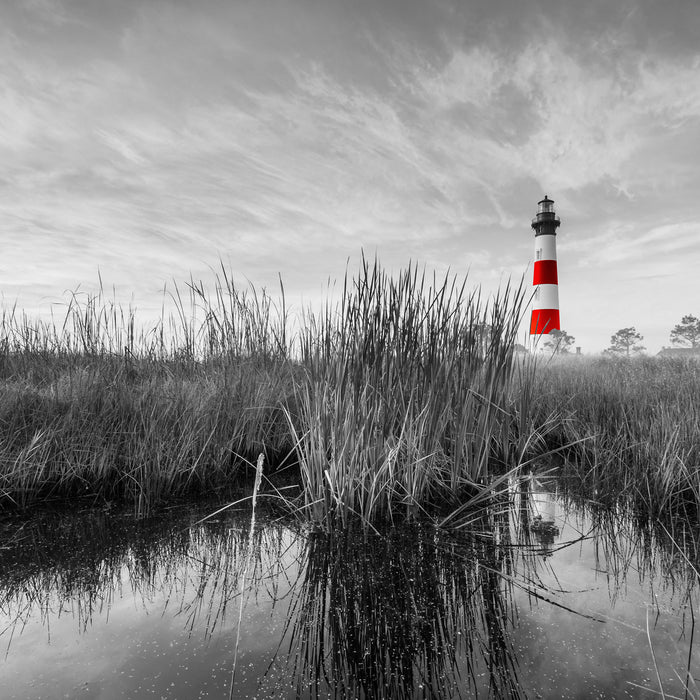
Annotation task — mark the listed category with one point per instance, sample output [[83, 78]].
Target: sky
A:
[[144, 142]]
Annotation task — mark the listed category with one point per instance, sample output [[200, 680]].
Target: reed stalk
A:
[[246, 566]]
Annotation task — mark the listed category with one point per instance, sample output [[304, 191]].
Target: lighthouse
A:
[[545, 307]]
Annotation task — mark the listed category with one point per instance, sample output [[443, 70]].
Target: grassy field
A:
[[635, 424], [404, 397]]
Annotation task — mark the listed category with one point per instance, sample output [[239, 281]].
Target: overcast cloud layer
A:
[[151, 139]]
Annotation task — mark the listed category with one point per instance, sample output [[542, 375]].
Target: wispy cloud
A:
[[627, 243], [561, 121]]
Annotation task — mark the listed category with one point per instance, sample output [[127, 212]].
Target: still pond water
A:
[[545, 599]]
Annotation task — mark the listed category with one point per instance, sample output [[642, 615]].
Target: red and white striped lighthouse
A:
[[545, 307]]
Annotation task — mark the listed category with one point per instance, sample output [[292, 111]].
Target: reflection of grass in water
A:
[[400, 609], [412, 612], [630, 542], [627, 539], [87, 559]]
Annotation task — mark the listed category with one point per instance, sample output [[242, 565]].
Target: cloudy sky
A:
[[150, 139]]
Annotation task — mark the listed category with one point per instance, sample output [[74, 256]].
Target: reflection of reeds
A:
[[628, 542], [410, 613], [246, 566], [416, 611], [87, 560], [627, 539]]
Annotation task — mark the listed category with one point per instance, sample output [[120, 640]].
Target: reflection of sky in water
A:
[[167, 638], [623, 588], [141, 652], [165, 632]]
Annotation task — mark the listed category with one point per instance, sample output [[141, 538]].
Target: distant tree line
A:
[[628, 341]]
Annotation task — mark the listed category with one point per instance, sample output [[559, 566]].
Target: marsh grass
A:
[[403, 395], [91, 407], [402, 398], [633, 427], [407, 400]]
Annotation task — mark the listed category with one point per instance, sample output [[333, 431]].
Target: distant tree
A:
[[559, 342], [625, 342], [687, 332]]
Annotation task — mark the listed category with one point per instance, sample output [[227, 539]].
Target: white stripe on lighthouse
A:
[[546, 297], [545, 247]]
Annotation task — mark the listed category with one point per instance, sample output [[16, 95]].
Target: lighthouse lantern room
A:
[[545, 308]]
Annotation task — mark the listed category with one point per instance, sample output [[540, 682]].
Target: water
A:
[[540, 600]]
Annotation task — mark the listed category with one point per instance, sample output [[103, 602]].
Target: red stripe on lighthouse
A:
[[545, 272], [544, 321]]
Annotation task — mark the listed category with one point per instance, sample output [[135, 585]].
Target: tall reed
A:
[[411, 395]]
